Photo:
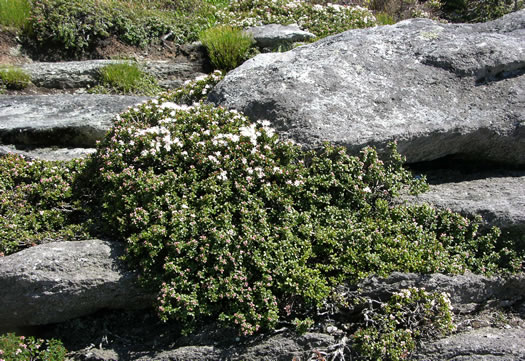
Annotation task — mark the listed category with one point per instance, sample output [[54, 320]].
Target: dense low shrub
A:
[[227, 47], [21, 348], [126, 78], [479, 10], [318, 19], [230, 223], [36, 203], [75, 27], [14, 78]]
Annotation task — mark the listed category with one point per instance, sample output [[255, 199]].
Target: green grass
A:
[[13, 78], [14, 13], [126, 78], [227, 47]]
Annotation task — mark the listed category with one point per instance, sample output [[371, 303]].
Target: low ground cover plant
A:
[[21, 348], [227, 47], [126, 78], [13, 78]]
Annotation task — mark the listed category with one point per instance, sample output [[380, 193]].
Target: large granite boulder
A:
[[438, 89], [58, 281], [60, 120]]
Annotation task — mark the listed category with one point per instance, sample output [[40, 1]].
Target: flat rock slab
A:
[[274, 35], [485, 344], [468, 292], [81, 74], [499, 200], [54, 154], [59, 281], [65, 120], [438, 89]]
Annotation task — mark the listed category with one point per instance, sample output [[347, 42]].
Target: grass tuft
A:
[[15, 13], [126, 78], [13, 78], [227, 46]]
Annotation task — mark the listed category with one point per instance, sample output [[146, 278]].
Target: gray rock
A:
[[438, 89], [274, 348], [60, 154], [60, 120], [59, 281], [485, 344], [273, 36], [81, 74], [499, 200], [467, 292]]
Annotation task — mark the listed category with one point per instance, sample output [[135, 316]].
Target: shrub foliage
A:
[[228, 222], [21, 348]]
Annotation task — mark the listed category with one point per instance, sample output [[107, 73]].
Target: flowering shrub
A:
[[36, 203], [193, 91], [228, 222], [392, 330], [318, 19], [21, 348]]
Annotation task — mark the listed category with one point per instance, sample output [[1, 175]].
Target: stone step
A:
[[58, 154], [82, 74], [66, 121], [500, 200]]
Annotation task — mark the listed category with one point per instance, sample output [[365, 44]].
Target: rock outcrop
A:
[[438, 89], [59, 281], [82, 74], [485, 344], [60, 120]]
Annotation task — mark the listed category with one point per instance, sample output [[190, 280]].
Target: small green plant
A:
[[21, 348], [13, 78], [15, 13], [227, 47], [393, 329], [126, 78]]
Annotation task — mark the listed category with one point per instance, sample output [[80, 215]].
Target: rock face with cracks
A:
[[59, 281], [437, 89]]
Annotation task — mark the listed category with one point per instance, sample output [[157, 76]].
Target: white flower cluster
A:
[[161, 140]]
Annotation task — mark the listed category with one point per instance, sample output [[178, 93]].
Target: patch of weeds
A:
[[126, 78], [14, 78], [227, 47], [15, 13], [36, 203], [21, 348], [392, 329]]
